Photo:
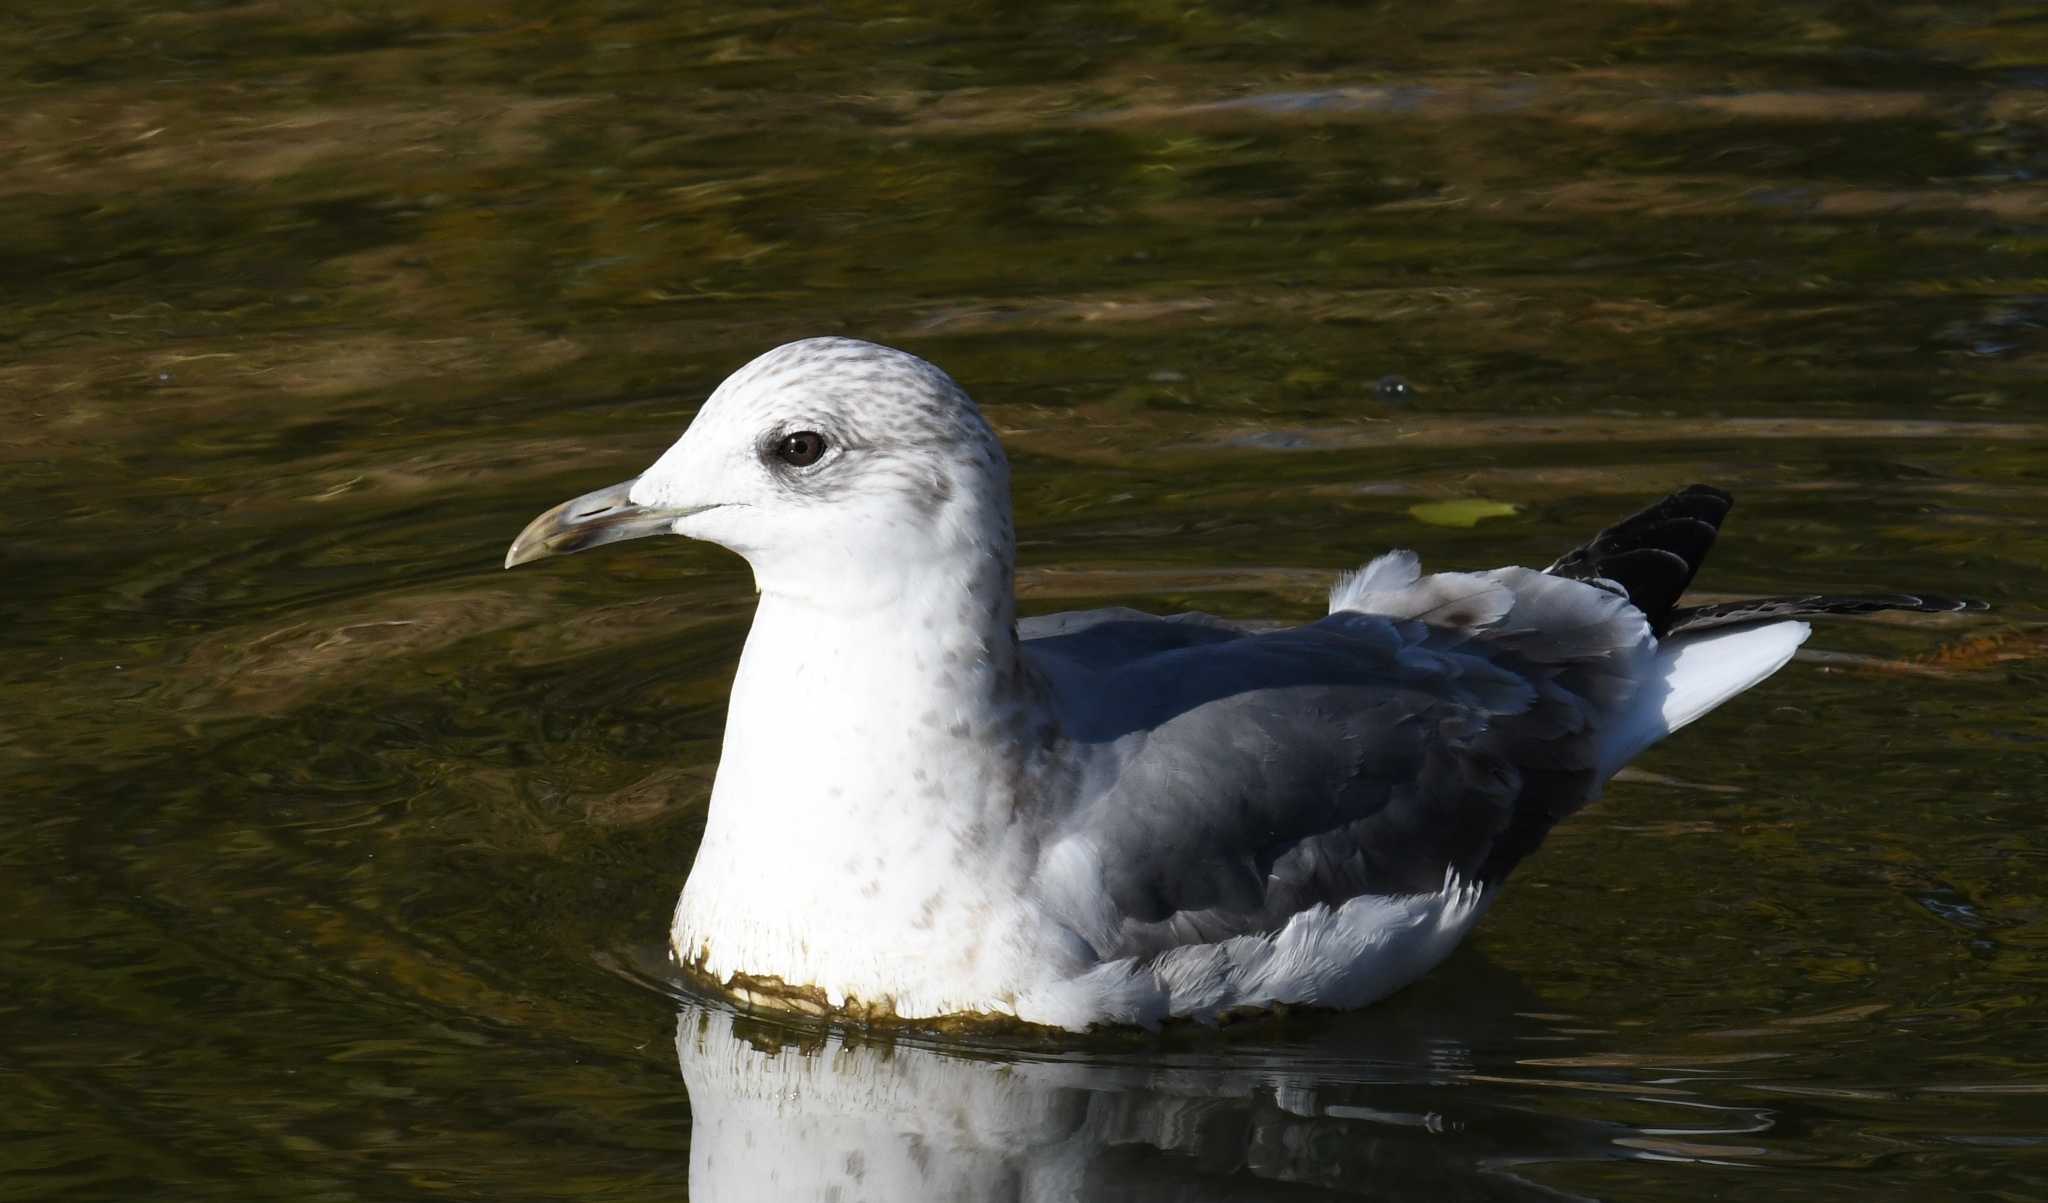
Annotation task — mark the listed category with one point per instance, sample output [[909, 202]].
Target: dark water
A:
[[335, 859]]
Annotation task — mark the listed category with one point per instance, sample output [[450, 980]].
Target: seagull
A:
[[927, 809]]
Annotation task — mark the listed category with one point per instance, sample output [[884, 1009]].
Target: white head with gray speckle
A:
[[834, 465]]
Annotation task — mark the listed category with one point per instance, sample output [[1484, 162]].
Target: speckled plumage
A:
[[925, 808]]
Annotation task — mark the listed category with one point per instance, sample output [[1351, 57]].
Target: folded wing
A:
[[1227, 779]]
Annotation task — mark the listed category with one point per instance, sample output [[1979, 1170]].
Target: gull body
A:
[[925, 808]]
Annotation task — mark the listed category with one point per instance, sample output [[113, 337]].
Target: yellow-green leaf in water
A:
[[1464, 511]]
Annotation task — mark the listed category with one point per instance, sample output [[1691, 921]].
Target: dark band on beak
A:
[[592, 520]]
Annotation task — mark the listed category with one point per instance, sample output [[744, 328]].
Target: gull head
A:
[[823, 462]]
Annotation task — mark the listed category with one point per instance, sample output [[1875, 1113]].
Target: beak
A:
[[592, 520]]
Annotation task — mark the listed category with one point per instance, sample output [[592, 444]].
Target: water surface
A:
[[336, 857]]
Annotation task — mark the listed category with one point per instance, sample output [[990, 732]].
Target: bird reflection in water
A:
[[1389, 1104]]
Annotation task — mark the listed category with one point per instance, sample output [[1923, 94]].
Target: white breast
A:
[[861, 835]]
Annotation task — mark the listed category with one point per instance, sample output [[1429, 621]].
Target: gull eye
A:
[[800, 450]]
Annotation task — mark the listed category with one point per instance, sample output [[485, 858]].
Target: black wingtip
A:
[[1653, 554]]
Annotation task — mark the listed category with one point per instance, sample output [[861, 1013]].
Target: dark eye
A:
[[800, 450]]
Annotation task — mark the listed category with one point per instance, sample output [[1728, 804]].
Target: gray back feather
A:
[[1231, 778]]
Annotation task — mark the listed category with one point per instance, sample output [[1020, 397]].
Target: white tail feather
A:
[[1691, 675]]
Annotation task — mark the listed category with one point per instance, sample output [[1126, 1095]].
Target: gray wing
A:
[[1226, 779]]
